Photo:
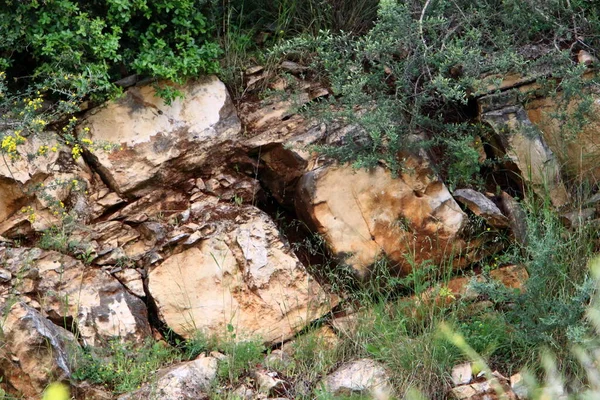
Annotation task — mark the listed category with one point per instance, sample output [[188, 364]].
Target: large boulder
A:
[[365, 215], [34, 351], [82, 299], [159, 143], [239, 273]]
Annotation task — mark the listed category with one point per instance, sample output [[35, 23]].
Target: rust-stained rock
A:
[[162, 143], [241, 275], [365, 215], [526, 147], [34, 351], [576, 147]]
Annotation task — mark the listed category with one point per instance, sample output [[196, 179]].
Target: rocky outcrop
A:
[[34, 351], [241, 274], [161, 144], [85, 300], [365, 215]]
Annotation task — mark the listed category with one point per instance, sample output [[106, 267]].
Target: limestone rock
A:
[[243, 275], [97, 304], [481, 206], [35, 352], [162, 143], [365, 215], [364, 377], [186, 381]]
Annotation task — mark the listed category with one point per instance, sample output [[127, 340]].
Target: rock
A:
[[583, 57], [269, 383], [575, 149], [277, 360], [132, 280], [517, 218], [484, 390], [518, 386], [244, 275], [162, 143], [366, 215], [511, 276], [34, 351], [70, 293], [463, 392], [31, 189], [243, 392], [186, 381], [481, 206], [462, 374], [5, 276], [364, 377], [292, 67], [535, 162]]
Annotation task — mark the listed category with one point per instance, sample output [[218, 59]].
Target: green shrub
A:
[[409, 81], [104, 40]]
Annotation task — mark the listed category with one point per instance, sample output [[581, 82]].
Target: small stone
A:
[[363, 376], [5, 276], [583, 57], [269, 383], [481, 206], [254, 70], [463, 392], [462, 374], [518, 386], [292, 67]]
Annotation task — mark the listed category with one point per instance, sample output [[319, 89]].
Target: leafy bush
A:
[[57, 53], [409, 81], [105, 39]]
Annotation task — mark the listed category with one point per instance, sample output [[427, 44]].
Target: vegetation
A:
[[406, 73]]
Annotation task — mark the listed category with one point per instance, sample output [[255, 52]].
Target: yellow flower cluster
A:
[[76, 151], [42, 150], [10, 143], [29, 210], [33, 104]]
